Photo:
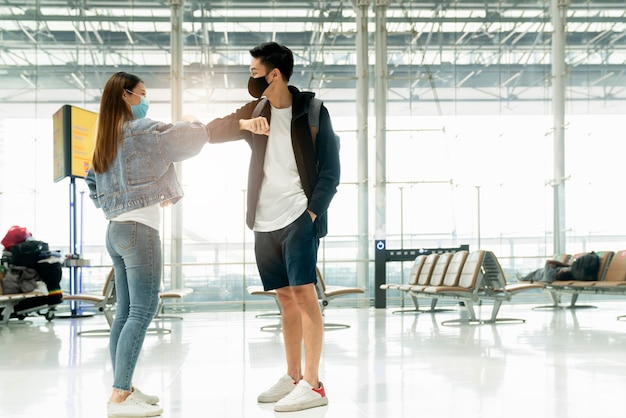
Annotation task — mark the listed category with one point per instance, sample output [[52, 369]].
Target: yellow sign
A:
[[58, 144], [83, 140], [74, 141]]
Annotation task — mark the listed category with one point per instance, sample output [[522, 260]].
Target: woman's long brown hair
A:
[[114, 111]]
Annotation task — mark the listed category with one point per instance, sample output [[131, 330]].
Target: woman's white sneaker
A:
[[304, 396], [133, 406], [279, 390], [149, 399]]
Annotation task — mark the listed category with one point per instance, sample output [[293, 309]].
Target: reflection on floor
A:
[[559, 363]]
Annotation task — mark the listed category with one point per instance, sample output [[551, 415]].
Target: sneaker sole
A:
[[301, 407], [121, 414], [270, 399]]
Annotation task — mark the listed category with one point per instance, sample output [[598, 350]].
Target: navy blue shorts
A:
[[288, 256]]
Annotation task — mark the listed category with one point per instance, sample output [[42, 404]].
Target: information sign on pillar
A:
[[74, 141], [74, 136], [380, 260]]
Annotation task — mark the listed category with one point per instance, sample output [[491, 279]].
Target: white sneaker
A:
[[282, 388], [149, 399], [302, 397], [133, 406]]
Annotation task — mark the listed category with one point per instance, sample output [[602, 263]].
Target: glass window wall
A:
[[469, 126]]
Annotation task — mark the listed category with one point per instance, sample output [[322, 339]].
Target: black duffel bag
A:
[[28, 253]]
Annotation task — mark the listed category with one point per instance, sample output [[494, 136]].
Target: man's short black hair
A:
[[273, 55]]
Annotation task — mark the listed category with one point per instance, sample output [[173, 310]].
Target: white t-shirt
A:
[[149, 215], [281, 199]]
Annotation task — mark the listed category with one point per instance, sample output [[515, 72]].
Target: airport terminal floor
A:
[[565, 363]]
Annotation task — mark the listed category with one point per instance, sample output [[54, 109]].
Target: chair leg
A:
[[471, 320], [494, 315], [573, 305], [415, 303], [108, 314], [556, 301], [161, 312], [278, 314]]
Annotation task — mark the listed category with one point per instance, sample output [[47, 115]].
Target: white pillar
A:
[[176, 72], [380, 103], [362, 106], [558, 9]]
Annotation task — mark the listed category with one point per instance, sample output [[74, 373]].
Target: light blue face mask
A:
[[140, 110]]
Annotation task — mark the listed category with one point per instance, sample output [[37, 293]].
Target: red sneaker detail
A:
[[320, 390]]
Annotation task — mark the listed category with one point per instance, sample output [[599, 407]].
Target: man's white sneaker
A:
[[304, 396], [149, 399], [279, 390], [133, 406]]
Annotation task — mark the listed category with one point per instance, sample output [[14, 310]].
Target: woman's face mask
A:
[[140, 110], [256, 86]]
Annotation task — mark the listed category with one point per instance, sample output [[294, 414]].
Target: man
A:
[[293, 176], [551, 271]]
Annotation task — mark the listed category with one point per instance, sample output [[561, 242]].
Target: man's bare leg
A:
[[302, 321], [291, 323]]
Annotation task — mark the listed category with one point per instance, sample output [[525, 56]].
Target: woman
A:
[[131, 177]]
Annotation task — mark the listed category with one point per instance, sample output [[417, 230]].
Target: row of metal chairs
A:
[[8, 303], [611, 279], [469, 277]]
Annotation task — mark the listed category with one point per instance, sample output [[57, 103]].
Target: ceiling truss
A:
[[55, 51]]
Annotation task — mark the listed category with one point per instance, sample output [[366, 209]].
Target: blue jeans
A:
[[137, 260]]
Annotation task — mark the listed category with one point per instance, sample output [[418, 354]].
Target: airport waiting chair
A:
[[325, 293], [414, 274], [103, 302]]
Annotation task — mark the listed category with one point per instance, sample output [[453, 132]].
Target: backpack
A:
[[586, 267], [28, 253], [315, 105]]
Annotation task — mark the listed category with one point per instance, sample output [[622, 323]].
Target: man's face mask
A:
[[139, 110], [256, 86]]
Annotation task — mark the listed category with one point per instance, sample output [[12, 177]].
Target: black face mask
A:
[[256, 86]]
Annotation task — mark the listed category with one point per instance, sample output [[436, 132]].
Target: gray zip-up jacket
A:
[[143, 173]]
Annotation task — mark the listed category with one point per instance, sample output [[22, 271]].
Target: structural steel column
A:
[[362, 105], [558, 10], [380, 103], [176, 72]]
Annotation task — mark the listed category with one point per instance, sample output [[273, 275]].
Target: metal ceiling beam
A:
[[254, 19], [334, 76], [489, 43]]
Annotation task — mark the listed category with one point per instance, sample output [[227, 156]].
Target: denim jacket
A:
[[142, 173]]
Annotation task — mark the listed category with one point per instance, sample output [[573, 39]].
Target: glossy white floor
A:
[[559, 363]]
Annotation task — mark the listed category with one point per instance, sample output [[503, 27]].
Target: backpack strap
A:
[[259, 107], [315, 105]]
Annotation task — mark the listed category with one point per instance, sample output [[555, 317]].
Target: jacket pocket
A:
[[139, 169]]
